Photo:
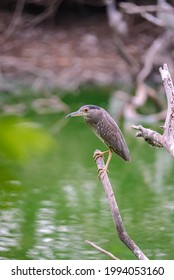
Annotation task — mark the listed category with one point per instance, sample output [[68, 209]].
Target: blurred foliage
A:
[[22, 139]]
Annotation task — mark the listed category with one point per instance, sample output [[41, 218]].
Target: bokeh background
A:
[[56, 56]]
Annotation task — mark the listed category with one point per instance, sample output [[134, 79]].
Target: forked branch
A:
[[165, 140]]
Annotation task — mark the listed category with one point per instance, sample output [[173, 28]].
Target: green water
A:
[[51, 199]]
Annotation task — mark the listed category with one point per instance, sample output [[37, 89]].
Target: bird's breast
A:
[[96, 128], [99, 131]]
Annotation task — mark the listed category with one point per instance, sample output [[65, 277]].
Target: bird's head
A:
[[88, 112]]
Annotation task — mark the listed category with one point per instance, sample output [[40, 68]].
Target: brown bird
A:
[[104, 127]]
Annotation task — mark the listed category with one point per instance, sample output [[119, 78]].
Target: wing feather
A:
[[113, 136]]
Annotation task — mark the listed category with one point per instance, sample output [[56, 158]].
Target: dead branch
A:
[[50, 11], [115, 18], [159, 45], [161, 19], [119, 28], [169, 89], [15, 20], [131, 8], [153, 19], [152, 137], [101, 249], [124, 237]]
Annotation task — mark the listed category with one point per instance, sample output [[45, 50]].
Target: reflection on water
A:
[[9, 229], [52, 203]]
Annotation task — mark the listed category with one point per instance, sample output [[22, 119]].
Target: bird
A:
[[106, 129]]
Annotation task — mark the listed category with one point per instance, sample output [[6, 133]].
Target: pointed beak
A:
[[74, 114]]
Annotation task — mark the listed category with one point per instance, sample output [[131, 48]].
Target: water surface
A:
[[51, 201]]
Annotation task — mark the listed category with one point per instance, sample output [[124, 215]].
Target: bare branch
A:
[[115, 18], [153, 19], [145, 11], [131, 8], [149, 59], [124, 237], [51, 10], [15, 20], [159, 45], [101, 249], [119, 28], [152, 137], [169, 88]]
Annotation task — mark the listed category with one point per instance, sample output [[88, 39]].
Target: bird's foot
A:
[[102, 172], [99, 154]]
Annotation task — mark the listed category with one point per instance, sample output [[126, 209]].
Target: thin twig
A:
[[124, 237], [101, 249]]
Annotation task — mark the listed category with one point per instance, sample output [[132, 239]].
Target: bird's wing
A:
[[113, 137]]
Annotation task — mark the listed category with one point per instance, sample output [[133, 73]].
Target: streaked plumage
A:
[[103, 125]]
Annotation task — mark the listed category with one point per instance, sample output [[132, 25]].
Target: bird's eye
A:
[[86, 110]]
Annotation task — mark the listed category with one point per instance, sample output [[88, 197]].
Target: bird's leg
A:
[[108, 160], [105, 169]]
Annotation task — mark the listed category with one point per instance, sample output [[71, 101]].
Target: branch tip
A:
[[101, 250]]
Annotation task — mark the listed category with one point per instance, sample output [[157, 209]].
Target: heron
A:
[[105, 128]]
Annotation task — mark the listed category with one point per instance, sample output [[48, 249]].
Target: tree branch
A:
[[168, 85], [145, 11], [119, 29], [131, 8], [152, 137], [51, 10], [124, 237], [101, 250], [15, 20]]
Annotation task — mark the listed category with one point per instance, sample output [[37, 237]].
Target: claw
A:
[[101, 154], [97, 155], [102, 171]]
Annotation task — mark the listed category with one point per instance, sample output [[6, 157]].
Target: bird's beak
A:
[[75, 114]]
